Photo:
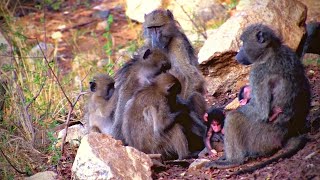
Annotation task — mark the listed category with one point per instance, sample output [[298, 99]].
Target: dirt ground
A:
[[303, 165]]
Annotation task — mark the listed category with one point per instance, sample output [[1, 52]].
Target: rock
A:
[[46, 175], [137, 9], [313, 9], [192, 15], [198, 164], [102, 157], [216, 57], [75, 134], [233, 105]]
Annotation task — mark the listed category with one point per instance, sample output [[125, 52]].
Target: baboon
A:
[[245, 96], [137, 74], [148, 123], [161, 31], [101, 104], [277, 78], [310, 41], [214, 119]]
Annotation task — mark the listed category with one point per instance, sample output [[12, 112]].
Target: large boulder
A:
[[102, 157], [216, 57], [193, 15], [136, 9]]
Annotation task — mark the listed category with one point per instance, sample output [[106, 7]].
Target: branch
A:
[[54, 74], [35, 97], [8, 160], [68, 120]]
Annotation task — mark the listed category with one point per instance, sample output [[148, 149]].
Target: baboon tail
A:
[[293, 146]]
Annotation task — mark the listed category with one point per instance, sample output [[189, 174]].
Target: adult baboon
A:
[[161, 31], [148, 123], [277, 79], [101, 104], [139, 73]]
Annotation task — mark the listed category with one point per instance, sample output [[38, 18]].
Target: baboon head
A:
[[157, 60], [258, 40], [168, 84], [102, 85], [159, 27]]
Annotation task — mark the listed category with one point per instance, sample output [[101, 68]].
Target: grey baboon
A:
[[277, 79], [101, 104], [161, 31]]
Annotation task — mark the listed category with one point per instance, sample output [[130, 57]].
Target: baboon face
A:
[[102, 85], [256, 40], [157, 26]]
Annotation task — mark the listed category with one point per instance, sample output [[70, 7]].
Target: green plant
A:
[[54, 4], [55, 152], [109, 44]]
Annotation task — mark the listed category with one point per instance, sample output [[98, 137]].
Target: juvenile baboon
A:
[[139, 73], [148, 123], [277, 78], [161, 31], [101, 104]]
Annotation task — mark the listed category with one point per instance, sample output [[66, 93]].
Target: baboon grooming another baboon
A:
[[101, 104], [161, 31], [148, 123], [277, 79], [139, 73]]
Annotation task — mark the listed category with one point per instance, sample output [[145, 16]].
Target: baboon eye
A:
[[260, 37], [146, 54], [93, 86]]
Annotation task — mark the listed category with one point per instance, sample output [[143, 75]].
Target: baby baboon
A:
[[214, 119], [139, 73], [101, 104], [277, 78], [148, 123], [245, 96], [161, 31]]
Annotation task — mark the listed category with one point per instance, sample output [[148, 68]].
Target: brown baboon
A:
[[101, 105], [137, 74], [161, 31], [148, 123], [277, 79]]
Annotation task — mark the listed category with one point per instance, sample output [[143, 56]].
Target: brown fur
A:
[[161, 31], [101, 104], [139, 73], [148, 123]]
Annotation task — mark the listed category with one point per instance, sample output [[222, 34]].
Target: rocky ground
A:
[[303, 165]]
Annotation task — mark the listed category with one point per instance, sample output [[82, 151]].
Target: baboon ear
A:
[[93, 86], [174, 88], [261, 37], [169, 13], [110, 91], [146, 54]]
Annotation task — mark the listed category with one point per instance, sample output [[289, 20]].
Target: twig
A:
[[54, 74], [8, 160], [68, 120], [35, 97], [204, 34]]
